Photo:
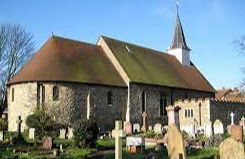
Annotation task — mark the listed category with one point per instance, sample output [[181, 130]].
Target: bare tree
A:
[[16, 47]]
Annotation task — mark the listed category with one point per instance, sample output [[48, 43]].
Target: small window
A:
[[55, 93], [12, 94], [186, 114], [43, 94], [191, 113], [109, 98]]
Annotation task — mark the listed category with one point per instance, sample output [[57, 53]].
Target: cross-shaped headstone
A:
[[144, 126], [19, 121], [232, 118], [118, 133]]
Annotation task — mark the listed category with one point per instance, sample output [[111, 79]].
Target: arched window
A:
[[43, 94], [109, 98], [12, 94], [163, 105], [143, 104], [55, 93]]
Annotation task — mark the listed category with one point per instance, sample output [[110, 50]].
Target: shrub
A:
[[43, 123], [3, 124], [86, 133], [214, 140]]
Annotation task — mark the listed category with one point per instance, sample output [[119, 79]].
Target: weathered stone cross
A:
[[118, 133], [144, 126], [232, 118], [19, 121]]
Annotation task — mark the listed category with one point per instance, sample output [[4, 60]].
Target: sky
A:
[[210, 27]]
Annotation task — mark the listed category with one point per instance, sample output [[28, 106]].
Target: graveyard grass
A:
[[74, 152]]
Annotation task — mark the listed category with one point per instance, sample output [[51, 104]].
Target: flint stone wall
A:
[[222, 109], [72, 103], [153, 94]]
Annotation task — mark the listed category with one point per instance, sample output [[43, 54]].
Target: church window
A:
[[143, 104], [163, 105], [189, 113], [43, 94], [186, 95], [12, 94], [55, 93], [109, 98], [186, 113]]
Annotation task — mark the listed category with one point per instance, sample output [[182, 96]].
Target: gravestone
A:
[[208, 129], [158, 128], [136, 128], [32, 133], [1, 136], [70, 133], [127, 128], [62, 133], [236, 132], [47, 143], [118, 133], [231, 149], [19, 122], [144, 126], [135, 144], [232, 118], [218, 127], [150, 128], [175, 143]]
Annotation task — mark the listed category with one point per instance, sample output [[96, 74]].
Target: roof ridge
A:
[[143, 47], [71, 40]]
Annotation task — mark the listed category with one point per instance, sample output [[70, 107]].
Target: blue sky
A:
[[210, 26]]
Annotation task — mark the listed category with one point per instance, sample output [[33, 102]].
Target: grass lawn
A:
[[70, 151], [204, 153]]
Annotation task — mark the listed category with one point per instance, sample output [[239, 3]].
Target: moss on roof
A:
[[67, 60], [149, 66]]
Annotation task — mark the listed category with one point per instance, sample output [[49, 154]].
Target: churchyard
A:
[[125, 141]]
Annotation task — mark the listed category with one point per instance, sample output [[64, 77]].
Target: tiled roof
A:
[[148, 66], [68, 60]]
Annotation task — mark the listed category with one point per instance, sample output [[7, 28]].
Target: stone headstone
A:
[[144, 126], [127, 128], [150, 128], [208, 129], [232, 118], [135, 144], [62, 133], [32, 133], [118, 133], [218, 127], [236, 132], [70, 133], [175, 143], [136, 128], [47, 143], [158, 128], [231, 149], [1, 136]]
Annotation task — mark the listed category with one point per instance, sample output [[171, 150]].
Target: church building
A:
[[109, 80]]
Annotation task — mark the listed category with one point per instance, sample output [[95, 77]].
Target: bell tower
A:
[[179, 47]]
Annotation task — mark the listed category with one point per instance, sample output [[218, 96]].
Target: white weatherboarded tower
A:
[[179, 47]]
